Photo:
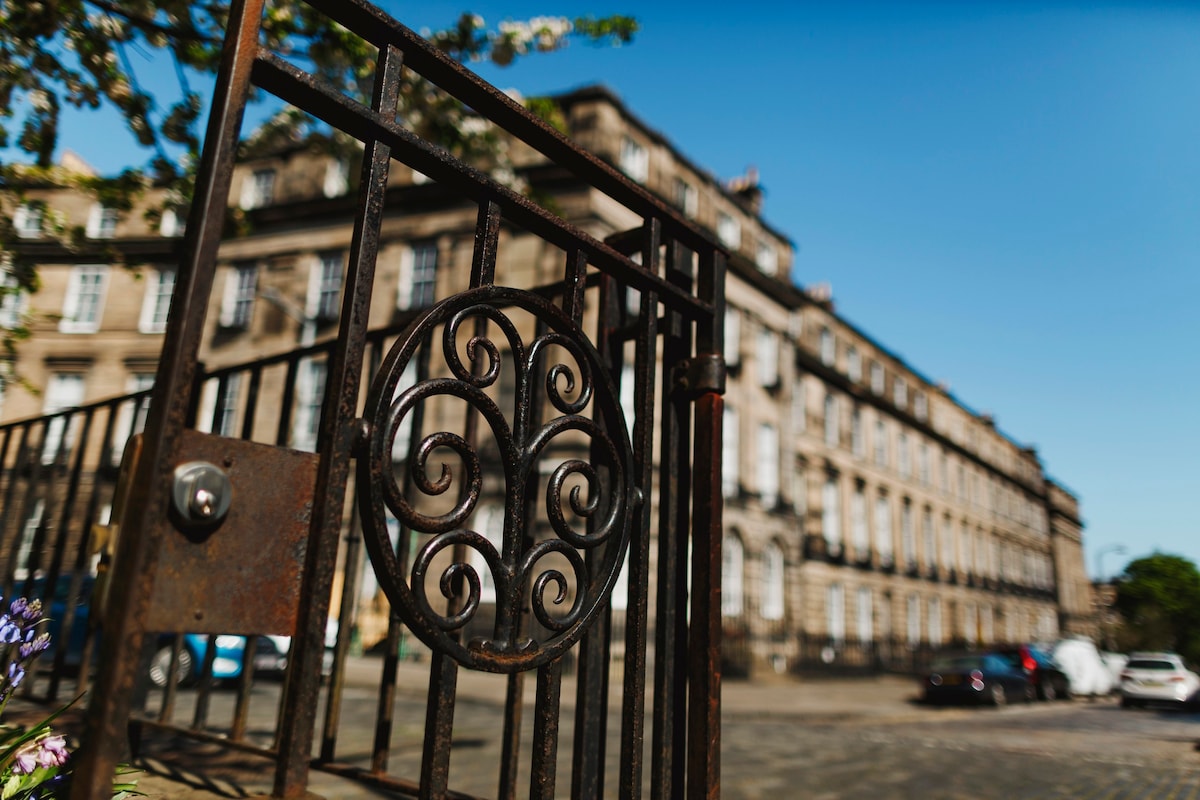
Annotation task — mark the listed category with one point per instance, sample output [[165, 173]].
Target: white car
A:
[[1081, 661], [1157, 678]]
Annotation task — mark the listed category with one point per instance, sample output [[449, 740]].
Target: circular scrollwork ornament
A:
[[564, 575]]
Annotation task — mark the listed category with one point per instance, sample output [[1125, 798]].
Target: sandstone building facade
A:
[[871, 518]]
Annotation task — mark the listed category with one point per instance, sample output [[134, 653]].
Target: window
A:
[[914, 619], [729, 231], [903, 457], [732, 560], [28, 536], [831, 420], [865, 611], [948, 543], [964, 550], [733, 338], [768, 465], [853, 364], [84, 303], [908, 536], [772, 578], [981, 554], [857, 446], [881, 444], [876, 377], [131, 415], [160, 284], [970, 624], [65, 390], [831, 515], [489, 521], [900, 393], [799, 412], [828, 347], [730, 450], [923, 463], [883, 530], [258, 189], [310, 396], [860, 536], [173, 222], [635, 160], [768, 358], [337, 177], [930, 536], [766, 257], [237, 304], [686, 198], [27, 219], [921, 406], [402, 442], [418, 275], [835, 612], [102, 222], [800, 492], [325, 288], [12, 300], [935, 621]]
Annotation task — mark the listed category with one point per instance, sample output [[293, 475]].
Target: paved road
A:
[[816, 739]]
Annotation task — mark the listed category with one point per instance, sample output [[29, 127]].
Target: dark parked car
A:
[[1044, 672], [976, 678]]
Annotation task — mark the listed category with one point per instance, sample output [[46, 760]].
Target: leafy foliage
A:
[[76, 53], [1158, 598]]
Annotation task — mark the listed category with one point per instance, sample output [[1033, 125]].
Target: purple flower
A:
[[31, 649], [16, 674], [32, 612], [18, 606], [52, 752], [10, 632], [25, 761]]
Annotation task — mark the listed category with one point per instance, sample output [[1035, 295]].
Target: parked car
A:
[[1115, 662], [976, 678], [270, 652], [1157, 678], [1048, 679], [1086, 670]]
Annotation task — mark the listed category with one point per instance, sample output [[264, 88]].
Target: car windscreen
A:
[[1148, 663]]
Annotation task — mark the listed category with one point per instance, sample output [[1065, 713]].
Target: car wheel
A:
[[1030, 693], [1127, 702], [1048, 692], [160, 667], [997, 695], [1066, 693]]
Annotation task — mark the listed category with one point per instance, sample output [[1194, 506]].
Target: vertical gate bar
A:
[[58, 550], [335, 444], [170, 690], [351, 574], [204, 691], [287, 402], [36, 468], [670, 649], [545, 731], [575, 284], [241, 708], [439, 725], [11, 520], [510, 743], [108, 713], [591, 691], [704, 643], [487, 237], [251, 408], [386, 707], [633, 722]]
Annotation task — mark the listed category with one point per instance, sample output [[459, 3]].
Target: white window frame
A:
[[881, 443], [729, 230], [935, 621], [131, 415], [853, 364], [877, 377], [172, 223], [768, 465], [687, 199], [83, 305], [884, 544], [14, 300], [913, 625], [835, 612], [908, 534], [766, 257], [733, 559], [921, 406], [310, 394], [773, 602], [767, 355], [325, 286], [102, 222], [635, 159], [864, 610], [903, 456], [28, 218], [831, 420], [858, 445], [337, 177], [258, 188], [418, 275], [900, 393], [860, 532], [730, 452], [237, 301], [733, 337], [156, 302], [828, 347], [799, 405], [831, 514], [64, 390], [929, 536]]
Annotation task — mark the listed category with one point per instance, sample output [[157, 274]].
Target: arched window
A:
[[732, 560]]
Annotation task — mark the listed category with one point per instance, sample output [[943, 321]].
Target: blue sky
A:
[[1007, 195]]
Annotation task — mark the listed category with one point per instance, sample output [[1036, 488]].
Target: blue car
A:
[[270, 652]]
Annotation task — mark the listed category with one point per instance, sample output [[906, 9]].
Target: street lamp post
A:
[[1116, 548]]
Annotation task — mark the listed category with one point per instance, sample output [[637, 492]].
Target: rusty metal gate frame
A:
[[681, 272]]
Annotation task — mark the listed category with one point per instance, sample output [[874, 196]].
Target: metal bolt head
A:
[[201, 494]]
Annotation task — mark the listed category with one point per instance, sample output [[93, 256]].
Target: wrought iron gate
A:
[[505, 387]]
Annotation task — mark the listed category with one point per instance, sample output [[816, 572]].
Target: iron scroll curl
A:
[[563, 576]]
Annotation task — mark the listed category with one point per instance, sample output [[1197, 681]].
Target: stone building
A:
[[871, 517]]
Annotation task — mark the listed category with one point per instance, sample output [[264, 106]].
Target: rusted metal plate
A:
[[242, 574]]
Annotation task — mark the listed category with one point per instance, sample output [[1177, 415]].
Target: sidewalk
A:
[[813, 700]]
